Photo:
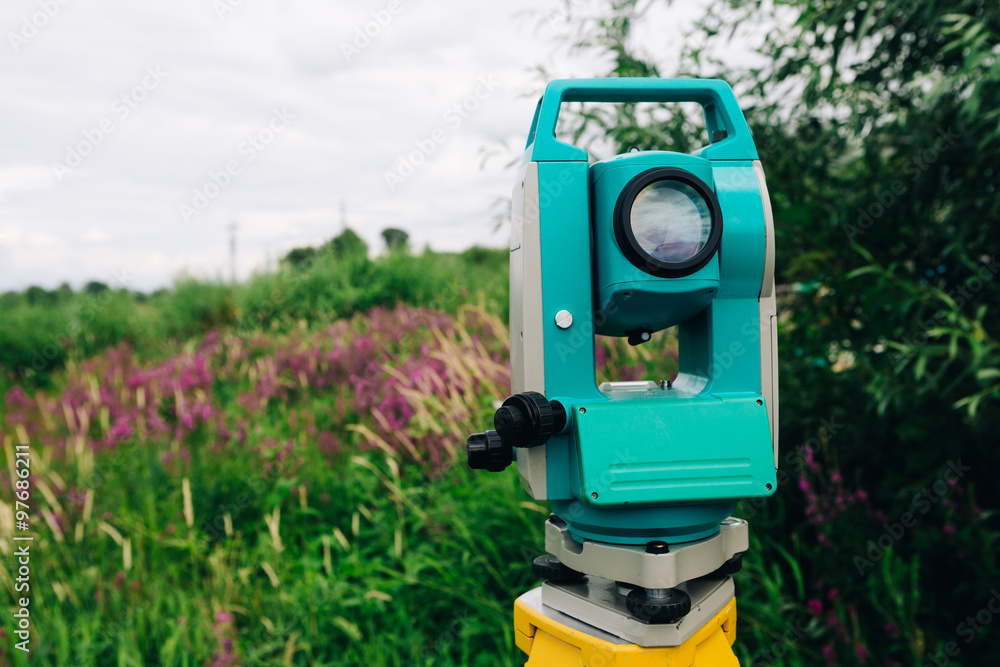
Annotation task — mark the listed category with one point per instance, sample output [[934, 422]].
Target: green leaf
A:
[[864, 270], [987, 373]]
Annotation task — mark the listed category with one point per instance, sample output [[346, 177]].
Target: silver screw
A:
[[657, 593], [564, 319]]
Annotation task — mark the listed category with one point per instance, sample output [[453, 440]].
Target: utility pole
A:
[[232, 252], [343, 215]]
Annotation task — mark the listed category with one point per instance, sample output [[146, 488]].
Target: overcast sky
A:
[[135, 133]]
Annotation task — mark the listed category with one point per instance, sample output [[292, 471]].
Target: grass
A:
[[263, 531]]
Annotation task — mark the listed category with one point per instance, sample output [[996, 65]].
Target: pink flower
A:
[[815, 607]]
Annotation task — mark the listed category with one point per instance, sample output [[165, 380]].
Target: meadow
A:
[[273, 473]]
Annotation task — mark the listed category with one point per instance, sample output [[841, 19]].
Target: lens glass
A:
[[670, 221]]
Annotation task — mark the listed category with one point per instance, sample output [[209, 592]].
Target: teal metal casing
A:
[[634, 466]]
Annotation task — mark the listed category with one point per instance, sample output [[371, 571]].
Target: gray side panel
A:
[[768, 318], [527, 344]]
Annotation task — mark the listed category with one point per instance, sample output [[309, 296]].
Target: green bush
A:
[[193, 308]]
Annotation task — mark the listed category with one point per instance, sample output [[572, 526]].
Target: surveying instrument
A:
[[642, 477]]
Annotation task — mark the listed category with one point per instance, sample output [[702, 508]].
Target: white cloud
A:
[[95, 236], [41, 239]]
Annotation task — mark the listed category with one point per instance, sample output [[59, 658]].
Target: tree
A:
[[395, 239], [347, 244], [36, 295], [299, 257], [94, 288]]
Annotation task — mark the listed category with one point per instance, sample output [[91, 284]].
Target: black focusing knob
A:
[[510, 423], [528, 419], [488, 451]]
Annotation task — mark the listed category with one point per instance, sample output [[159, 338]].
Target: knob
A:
[[550, 568], [658, 605], [528, 419], [488, 451], [511, 423]]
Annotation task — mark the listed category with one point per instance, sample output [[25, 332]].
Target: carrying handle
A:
[[727, 127]]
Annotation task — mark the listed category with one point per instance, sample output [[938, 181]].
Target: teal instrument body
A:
[[636, 462]]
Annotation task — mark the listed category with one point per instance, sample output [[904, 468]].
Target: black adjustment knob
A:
[[665, 606], [528, 419], [550, 568], [730, 567], [488, 451]]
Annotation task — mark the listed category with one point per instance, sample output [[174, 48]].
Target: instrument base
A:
[[552, 638]]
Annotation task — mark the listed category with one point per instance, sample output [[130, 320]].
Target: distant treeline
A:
[[41, 330]]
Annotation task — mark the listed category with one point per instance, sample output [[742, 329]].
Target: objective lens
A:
[[670, 221]]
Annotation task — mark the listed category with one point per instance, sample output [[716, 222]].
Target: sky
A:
[[135, 134]]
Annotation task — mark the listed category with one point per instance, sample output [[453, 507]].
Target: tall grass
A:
[[284, 499]]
